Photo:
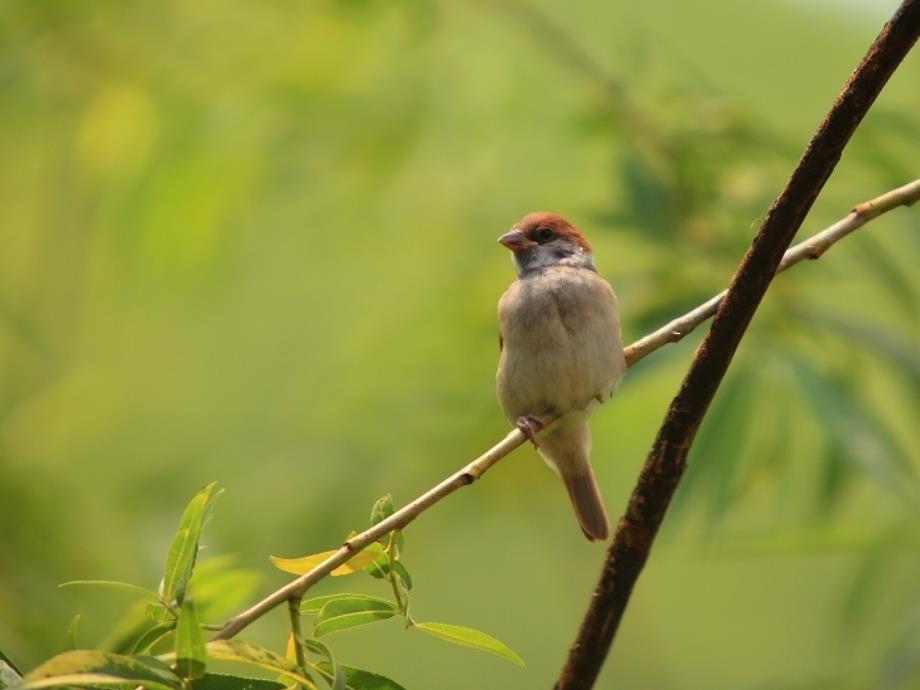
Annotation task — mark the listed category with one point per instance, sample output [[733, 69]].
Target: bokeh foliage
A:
[[254, 242]]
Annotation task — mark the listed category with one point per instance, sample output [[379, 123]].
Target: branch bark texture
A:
[[666, 460]]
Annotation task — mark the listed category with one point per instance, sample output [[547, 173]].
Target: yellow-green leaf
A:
[[184, 547], [110, 584], [351, 611], [331, 671], [85, 680], [191, 656], [382, 509], [290, 649], [315, 604], [71, 641], [220, 681], [300, 566], [247, 653], [359, 679], [468, 637], [149, 639], [89, 667]]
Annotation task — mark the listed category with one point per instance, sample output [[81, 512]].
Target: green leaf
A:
[[400, 570], [315, 604], [358, 679], [382, 509], [123, 586], [183, 551], [247, 653], [86, 680], [351, 611], [159, 613], [381, 569], [863, 439], [70, 642], [88, 667], [191, 655], [330, 670], [220, 681], [468, 637], [149, 639]]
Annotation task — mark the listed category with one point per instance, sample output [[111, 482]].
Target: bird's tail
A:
[[588, 505], [566, 449]]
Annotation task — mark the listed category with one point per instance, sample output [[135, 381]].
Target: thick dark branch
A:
[[667, 458]]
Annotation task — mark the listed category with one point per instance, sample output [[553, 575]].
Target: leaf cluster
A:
[[170, 651]]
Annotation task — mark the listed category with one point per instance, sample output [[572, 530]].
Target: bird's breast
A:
[[562, 345]]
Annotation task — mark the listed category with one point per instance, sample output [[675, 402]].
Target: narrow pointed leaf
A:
[[180, 561], [70, 643], [220, 681], [330, 670], [403, 574], [122, 586], [351, 611], [88, 667], [191, 656], [149, 639], [304, 564], [382, 509], [87, 680], [468, 637], [359, 679], [315, 604], [247, 653], [290, 649], [380, 569]]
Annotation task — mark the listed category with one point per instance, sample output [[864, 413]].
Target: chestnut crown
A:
[[544, 239], [546, 226]]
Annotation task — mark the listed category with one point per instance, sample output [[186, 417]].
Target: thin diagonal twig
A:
[[811, 248]]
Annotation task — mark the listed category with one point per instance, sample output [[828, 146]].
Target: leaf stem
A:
[[392, 556], [294, 615]]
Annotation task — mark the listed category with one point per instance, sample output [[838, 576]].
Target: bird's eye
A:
[[545, 234]]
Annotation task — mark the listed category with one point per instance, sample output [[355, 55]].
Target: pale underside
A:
[[562, 350]]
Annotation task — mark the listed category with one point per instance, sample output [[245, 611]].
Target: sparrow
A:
[[561, 352]]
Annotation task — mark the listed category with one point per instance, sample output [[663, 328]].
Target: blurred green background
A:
[[255, 243]]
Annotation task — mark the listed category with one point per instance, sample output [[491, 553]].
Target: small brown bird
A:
[[561, 352]]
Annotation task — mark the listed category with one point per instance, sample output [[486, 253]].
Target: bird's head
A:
[[545, 239]]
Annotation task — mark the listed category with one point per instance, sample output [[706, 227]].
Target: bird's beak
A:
[[515, 240]]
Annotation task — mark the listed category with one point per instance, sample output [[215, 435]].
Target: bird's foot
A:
[[530, 426]]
